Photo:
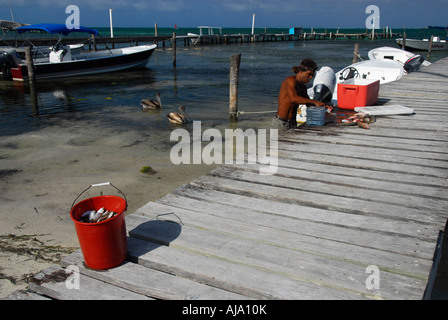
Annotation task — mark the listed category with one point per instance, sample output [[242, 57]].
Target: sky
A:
[[233, 13]]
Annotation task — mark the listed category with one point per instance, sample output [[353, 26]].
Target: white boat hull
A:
[[90, 63], [416, 44], [383, 70], [396, 54]]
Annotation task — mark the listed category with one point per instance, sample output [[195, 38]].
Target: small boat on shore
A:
[[64, 63], [437, 44]]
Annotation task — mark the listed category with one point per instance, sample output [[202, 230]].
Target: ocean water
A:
[[200, 82]]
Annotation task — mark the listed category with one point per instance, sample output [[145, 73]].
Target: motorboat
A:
[[396, 54], [437, 43], [42, 51], [385, 70], [204, 36], [411, 62], [61, 62]]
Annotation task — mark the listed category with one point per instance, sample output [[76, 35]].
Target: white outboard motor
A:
[[324, 83]]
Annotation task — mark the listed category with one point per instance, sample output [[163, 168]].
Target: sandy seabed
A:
[[43, 172]]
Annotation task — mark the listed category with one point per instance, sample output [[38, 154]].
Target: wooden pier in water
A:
[[245, 38], [345, 203], [168, 40]]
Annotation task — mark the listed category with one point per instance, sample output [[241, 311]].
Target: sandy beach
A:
[[43, 172]]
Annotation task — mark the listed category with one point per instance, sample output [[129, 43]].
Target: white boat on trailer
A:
[[62, 63]]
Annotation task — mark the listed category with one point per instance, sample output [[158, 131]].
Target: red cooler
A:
[[354, 93]]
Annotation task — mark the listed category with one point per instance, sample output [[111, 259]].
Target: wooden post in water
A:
[[174, 48], [430, 46], [404, 38], [94, 42], [235, 62], [29, 65], [356, 53]]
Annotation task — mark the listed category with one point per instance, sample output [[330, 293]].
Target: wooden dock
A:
[[167, 40], [350, 214]]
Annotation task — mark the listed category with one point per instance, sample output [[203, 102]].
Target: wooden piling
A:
[[356, 53], [29, 64], [174, 48], [94, 43], [235, 62], [430, 46], [404, 38]]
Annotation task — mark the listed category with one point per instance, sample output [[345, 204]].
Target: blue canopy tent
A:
[[55, 29]]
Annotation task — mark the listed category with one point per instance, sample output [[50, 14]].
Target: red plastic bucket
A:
[[103, 244]]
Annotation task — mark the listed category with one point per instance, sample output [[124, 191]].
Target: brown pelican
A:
[[179, 118], [149, 104]]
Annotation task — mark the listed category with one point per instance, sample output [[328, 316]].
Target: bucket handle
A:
[[101, 185]]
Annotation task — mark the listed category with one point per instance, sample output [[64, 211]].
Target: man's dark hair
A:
[[306, 64]]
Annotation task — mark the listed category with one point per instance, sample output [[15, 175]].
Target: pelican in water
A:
[[149, 104], [179, 118]]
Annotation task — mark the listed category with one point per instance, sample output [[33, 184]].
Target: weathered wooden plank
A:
[[150, 282], [385, 132], [287, 262], [352, 191], [387, 143], [25, 295], [367, 147], [366, 163], [362, 179], [417, 95], [52, 282], [320, 200], [308, 217], [365, 175], [286, 232], [238, 278], [359, 137], [425, 159]]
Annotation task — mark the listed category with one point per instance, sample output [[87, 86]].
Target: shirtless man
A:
[[293, 93]]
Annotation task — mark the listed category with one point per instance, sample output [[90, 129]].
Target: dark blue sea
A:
[[200, 82]]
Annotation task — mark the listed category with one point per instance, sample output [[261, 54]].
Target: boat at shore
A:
[[435, 43], [62, 62], [396, 54], [384, 70], [386, 64]]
